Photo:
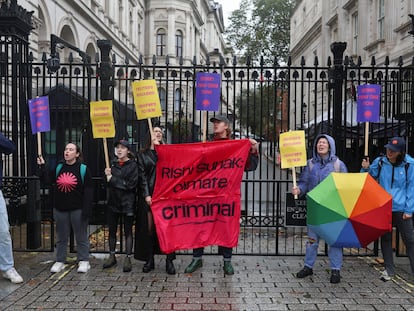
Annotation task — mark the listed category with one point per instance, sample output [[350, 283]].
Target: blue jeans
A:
[[65, 220], [334, 253], [6, 250], [405, 227]]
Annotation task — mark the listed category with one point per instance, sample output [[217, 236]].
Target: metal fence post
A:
[[34, 215], [338, 73]]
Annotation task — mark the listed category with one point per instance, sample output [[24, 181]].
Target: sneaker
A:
[[304, 272], [84, 266], [228, 268], [13, 276], [194, 265], [385, 276], [335, 276], [57, 267]]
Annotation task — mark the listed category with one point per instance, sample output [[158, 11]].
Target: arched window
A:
[[161, 42], [177, 100], [163, 98], [179, 43]]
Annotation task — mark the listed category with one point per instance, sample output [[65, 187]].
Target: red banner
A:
[[196, 200]]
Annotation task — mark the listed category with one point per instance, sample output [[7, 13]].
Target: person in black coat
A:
[[146, 241], [122, 178]]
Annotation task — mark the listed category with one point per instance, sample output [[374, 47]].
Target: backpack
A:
[[381, 162], [82, 170], [337, 165]]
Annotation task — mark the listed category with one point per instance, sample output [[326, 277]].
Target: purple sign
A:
[[208, 91], [39, 114], [368, 103]]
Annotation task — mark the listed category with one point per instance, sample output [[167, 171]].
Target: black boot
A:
[[149, 265], [110, 261], [169, 266]]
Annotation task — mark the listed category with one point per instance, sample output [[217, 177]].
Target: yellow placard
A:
[[146, 99], [102, 119], [292, 149]]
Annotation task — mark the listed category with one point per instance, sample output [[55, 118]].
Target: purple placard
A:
[[208, 91], [39, 114], [368, 103]]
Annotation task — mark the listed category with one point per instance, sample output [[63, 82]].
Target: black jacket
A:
[[147, 160], [122, 187]]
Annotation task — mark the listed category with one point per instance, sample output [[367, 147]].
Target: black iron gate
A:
[[260, 99]]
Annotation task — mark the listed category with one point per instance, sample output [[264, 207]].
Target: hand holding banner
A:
[[103, 125], [292, 151]]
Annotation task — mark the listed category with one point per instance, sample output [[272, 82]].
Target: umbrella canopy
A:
[[349, 210]]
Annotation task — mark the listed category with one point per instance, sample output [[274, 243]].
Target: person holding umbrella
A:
[[323, 162], [395, 173]]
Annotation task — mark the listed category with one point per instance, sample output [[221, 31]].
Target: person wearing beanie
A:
[[395, 173], [122, 179]]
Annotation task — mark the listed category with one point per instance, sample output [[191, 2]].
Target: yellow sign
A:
[[292, 149], [102, 119], [146, 99]]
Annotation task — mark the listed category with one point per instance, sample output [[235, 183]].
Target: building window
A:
[[163, 98], [381, 18], [355, 34], [177, 100], [161, 42], [179, 44]]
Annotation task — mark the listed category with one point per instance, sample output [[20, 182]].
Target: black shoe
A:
[[304, 272], [148, 266], [169, 266], [110, 261], [335, 276], [127, 264], [194, 265], [228, 268]]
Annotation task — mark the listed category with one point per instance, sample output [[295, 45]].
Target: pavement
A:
[[259, 283]]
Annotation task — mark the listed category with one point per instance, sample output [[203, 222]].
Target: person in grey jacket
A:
[[6, 250], [323, 162]]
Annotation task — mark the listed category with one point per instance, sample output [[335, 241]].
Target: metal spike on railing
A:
[[302, 61], [400, 61], [373, 61], [70, 58], [113, 58], [316, 61], [96, 57], [154, 60]]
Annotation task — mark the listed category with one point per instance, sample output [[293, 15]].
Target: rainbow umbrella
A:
[[349, 210]]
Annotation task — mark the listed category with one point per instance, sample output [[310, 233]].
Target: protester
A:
[[147, 243], [323, 162], [122, 178], [73, 192], [6, 249], [395, 173], [222, 131]]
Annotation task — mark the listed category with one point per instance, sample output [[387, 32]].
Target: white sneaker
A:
[[57, 267], [84, 266], [13, 276], [385, 276]]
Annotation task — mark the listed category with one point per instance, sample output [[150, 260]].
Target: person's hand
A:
[[253, 146], [148, 199], [407, 216], [295, 190], [108, 173], [40, 160], [365, 163]]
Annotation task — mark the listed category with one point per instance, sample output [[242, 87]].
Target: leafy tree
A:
[[261, 28]]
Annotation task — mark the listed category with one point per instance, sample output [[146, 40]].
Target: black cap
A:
[[396, 144], [220, 118], [123, 142]]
